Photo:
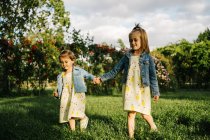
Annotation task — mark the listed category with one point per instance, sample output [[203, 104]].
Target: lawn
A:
[[180, 115]]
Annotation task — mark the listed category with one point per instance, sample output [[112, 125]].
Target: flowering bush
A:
[[165, 75], [162, 73], [32, 61]]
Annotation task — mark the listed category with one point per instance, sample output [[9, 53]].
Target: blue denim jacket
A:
[[147, 71], [78, 80]]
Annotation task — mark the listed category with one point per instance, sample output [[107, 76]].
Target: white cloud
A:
[[165, 21]]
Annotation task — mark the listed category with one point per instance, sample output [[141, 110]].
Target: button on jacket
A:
[[147, 71], [79, 75]]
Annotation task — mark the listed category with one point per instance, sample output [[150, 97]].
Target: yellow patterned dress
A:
[[72, 104], [136, 97]]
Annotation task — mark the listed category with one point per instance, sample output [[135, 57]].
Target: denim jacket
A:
[[78, 80], [147, 71]]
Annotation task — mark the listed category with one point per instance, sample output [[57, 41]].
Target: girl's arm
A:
[[153, 78], [87, 75], [117, 68]]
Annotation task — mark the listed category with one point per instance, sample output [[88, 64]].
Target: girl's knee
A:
[[131, 114], [144, 116]]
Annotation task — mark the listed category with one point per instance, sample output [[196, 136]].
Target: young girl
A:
[[138, 79], [71, 90]]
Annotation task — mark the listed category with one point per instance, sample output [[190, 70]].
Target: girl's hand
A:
[[55, 94], [156, 98]]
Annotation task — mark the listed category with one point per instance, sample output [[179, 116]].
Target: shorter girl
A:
[[71, 90]]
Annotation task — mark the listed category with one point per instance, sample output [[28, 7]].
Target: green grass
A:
[[178, 115]]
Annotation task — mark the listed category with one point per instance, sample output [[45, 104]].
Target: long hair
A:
[[143, 37]]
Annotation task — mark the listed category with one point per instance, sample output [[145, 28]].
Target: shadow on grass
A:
[[186, 95], [106, 120], [26, 93], [29, 118], [203, 127]]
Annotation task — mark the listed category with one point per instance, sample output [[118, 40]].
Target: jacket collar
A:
[[129, 54]]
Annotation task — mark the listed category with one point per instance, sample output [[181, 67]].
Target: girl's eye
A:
[[131, 40]]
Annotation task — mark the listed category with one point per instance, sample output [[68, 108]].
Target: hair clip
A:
[[137, 27]]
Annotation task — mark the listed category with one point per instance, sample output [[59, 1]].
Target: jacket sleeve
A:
[[117, 68], [87, 75], [153, 78], [59, 84]]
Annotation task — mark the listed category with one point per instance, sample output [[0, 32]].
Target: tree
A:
[[204, 36], [13, 16], [42, 19], [190, 62], [121, 43], [201, 63], [20, 16]]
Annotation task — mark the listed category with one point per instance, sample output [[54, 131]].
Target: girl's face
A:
[[66, 63], [135, 42]]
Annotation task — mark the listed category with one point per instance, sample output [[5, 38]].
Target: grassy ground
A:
[[178, 115]]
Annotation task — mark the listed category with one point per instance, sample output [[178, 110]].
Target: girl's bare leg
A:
[[150, 121], [131, 123], [72, 124]]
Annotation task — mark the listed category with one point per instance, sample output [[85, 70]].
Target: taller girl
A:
[[139, 79]]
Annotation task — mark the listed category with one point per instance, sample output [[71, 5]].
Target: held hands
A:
[[97, 80]]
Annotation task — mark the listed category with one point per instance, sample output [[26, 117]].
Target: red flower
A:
[[91, 53], [34, 48], [10, 43], [29, 60]]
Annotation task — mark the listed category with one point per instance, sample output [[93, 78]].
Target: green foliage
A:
[[200, 62], [80, 44], [31, 34], [204, 36], [29, 64], [102, 59], [14, 14], [190, 62], [20, 16], [121, 43], [178, 115]]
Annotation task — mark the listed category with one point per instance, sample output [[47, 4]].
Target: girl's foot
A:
[[154, 128], [83, 123]]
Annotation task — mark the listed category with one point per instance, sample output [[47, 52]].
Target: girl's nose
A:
[[132, 42]]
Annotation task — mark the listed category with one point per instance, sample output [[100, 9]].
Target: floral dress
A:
[[136, 97], [72, 104]]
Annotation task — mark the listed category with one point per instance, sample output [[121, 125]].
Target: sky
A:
[[165, 21]]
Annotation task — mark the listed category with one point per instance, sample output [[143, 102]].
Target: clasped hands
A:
[[97, 80]]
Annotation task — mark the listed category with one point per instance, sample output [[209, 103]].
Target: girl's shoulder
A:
[[77, 68], [60, 75], [145, 55]]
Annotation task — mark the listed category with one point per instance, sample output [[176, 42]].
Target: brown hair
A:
[[143, 37], [67, 53]]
